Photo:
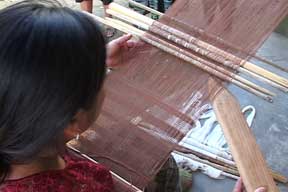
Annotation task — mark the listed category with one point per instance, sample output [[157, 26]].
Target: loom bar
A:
[[245, 151]]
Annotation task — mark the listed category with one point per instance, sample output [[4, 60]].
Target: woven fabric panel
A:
[[152, 101]]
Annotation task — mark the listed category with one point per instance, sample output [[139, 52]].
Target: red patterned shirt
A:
[[79, 175]]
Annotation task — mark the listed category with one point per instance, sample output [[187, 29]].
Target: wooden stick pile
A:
[[223, 166]]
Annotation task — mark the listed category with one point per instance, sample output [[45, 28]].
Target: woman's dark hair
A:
[[52, 64]]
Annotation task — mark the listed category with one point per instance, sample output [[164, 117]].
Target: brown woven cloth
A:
[[244, 24], [151, 103]]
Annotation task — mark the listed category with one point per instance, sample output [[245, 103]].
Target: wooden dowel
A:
[[228, 57], [261, 71], [169, 48], [245, 151], [260, 78]]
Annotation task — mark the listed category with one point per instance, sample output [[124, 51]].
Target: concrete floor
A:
[[271, 124]]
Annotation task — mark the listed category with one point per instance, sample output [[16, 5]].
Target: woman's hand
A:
[[117, 48], [239, 187]]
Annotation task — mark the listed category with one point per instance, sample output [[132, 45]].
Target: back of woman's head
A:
[[52, 63]]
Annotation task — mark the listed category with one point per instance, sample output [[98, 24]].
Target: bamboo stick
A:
[[260, 78], [220, 53], [196, 49]]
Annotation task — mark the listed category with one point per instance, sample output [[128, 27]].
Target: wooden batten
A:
[[243, 146]]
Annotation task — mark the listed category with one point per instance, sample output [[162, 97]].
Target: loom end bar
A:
[[246, 153], [128, 12]]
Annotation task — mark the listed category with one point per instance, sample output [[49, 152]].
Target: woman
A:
[[52, 67]]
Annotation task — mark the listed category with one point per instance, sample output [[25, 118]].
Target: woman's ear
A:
[[78, 125], [84, 118]]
